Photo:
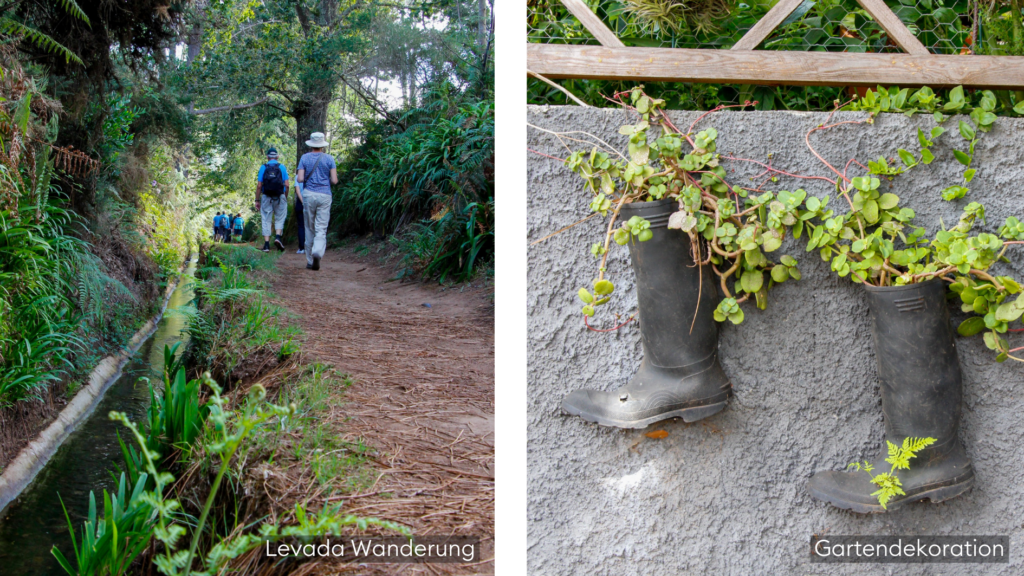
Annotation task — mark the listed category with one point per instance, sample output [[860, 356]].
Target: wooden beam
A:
[[767, 24], [774, 67], [894, 27], [593, 24]]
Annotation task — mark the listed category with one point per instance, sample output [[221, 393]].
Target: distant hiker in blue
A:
[[224, 227], [316, 173], [216, 226], [239, 226], [272, 198]]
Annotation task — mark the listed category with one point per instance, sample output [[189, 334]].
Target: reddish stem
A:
[[745, 104], [592, 329], [807, 140], [545, 155], [776, 170]]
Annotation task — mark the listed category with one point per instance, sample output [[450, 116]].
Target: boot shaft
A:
[[670, 289], [921, 384]]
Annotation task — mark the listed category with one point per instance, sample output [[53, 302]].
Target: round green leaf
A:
[[603, 287], [751, 281], [780, 273], [870, 211], [971, 326], [585, 296], [1008, 312]]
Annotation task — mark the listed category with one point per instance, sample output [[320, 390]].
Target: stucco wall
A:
[[727, 495]]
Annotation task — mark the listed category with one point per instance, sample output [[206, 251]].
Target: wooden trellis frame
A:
[[741, 64]]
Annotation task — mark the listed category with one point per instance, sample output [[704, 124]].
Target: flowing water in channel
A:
[[34, 522]]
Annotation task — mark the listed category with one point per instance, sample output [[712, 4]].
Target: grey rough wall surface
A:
[[727, 495]]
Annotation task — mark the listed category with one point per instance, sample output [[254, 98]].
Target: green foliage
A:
[[731, 228], [982, 108], [11, 27], [38, 324], [441, 167], [115, 116]]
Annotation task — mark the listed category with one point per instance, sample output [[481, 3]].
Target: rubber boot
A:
[[921, 389], [680, 376]]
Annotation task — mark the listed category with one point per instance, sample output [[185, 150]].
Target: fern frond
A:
[[888, 486], [36, 37], [72, 7], [915, 445]]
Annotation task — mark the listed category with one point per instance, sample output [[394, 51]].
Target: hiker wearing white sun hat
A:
[[316, 172]]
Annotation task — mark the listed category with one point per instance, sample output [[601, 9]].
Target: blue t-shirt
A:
[[320, 180], [239, 223], [284, 171], [217, 221]]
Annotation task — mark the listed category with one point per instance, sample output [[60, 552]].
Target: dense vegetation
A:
[[124, 127], [163, 511]]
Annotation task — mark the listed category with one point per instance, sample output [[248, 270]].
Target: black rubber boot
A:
[[680, 376], [921, 390]]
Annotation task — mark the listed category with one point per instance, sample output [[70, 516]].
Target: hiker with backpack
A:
[[316, 173], [272, 199], [239, 226], [224, 231], [216, 227]]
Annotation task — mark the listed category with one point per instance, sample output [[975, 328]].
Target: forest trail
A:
[[423, 395]]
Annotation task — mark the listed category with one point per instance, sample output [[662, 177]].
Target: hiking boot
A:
[[680, 376], [278, 244], [921, 389], [266, 246], [309, 266], [316, 263]]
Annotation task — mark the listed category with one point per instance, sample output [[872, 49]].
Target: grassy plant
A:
[[39, 321], [229, 431], [110, 543]]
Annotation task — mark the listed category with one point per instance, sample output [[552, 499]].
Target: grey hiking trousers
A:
[[316, 213], [273, 212]]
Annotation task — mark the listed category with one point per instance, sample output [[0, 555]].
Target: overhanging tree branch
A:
[[227, 108], [371, 101]]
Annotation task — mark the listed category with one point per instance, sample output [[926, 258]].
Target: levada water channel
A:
[[87, 459]]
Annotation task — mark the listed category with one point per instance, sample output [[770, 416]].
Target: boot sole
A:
[[936, 495], [691, 414]]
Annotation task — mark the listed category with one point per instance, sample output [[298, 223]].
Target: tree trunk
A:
[[401, 82], [412, 83], [195, 39], [481, 38], [310, 116]]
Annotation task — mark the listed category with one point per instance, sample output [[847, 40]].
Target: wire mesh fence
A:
[[943, 26]]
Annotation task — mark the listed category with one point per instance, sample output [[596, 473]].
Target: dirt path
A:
[[423, 395]]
